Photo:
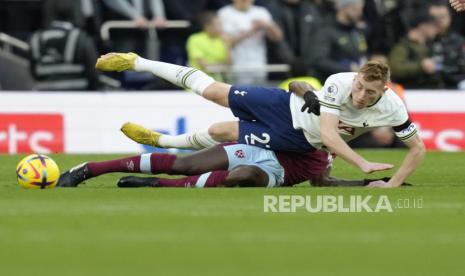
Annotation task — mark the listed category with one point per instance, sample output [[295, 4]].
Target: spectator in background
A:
[[299, 20], [138, 11], [90, 18], [173, 48], [341, 46], [458, 21], [143, 13], [210, 46], [375, 15], [448, 47], [410, 59], [326, 10], [62, 56], [87, 14], [248, 25]]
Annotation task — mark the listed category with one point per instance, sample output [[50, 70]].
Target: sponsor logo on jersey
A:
[[239, 154], [242, 93], [346, 129]]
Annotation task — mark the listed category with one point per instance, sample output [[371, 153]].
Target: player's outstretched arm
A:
[[413, 158], [185, 77], [326, 180], [330, 137]]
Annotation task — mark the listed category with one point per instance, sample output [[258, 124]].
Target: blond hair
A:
[[374, 71]]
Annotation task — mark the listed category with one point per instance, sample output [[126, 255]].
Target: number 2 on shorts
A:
[[252, 139]]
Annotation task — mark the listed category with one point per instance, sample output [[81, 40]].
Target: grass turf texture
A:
[[98, 229]]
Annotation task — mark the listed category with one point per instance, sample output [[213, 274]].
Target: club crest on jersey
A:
[[242, 93], [239, 154]]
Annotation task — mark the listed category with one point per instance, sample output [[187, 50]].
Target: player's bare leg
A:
[[224, 131], [206, 168], [186, 77], [207, 160]]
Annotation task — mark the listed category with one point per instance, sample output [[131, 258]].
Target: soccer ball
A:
[[37, 171]]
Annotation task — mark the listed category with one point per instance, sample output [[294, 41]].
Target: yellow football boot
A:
[[141, 134], [116, 62]]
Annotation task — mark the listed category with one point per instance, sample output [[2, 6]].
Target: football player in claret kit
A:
[[226, 165], [350, 104]]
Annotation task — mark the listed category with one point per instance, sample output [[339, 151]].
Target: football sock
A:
[[150, 163], [206, 180], [197, 140], [154, 163], [130, 164], [182, 76]]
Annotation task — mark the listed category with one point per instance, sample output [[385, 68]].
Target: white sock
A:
[[202, 139], [175, 141], [197, 140], [186, 77]]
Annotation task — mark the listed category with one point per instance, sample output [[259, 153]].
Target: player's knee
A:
[[217, 92], [224, 132], [248, 176]]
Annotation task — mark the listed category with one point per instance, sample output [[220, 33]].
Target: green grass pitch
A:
[[98, 229]]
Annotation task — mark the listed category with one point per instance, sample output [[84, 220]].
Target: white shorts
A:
[[240, 154]]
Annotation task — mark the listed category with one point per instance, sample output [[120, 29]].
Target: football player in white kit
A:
[[350, 104]]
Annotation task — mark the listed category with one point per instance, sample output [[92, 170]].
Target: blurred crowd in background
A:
[[239, 41], [53, 44]]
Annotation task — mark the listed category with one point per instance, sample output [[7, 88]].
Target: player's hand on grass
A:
[[379, 184], [368, 181], [369, 167]]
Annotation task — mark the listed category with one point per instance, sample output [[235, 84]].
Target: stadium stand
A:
[[383, 24]]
